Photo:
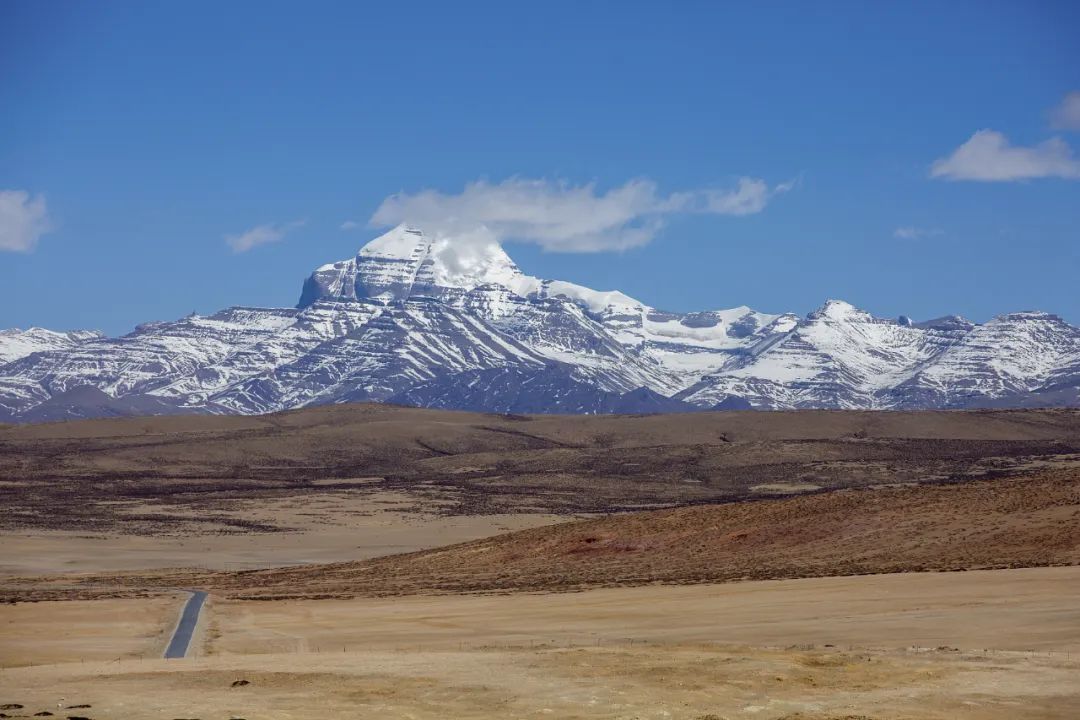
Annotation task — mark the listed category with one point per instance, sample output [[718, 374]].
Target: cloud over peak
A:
[[989, 157], [563, 217], [260, 235], [23, 220]]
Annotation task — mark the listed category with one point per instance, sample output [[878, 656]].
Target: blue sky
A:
[[135, 138]]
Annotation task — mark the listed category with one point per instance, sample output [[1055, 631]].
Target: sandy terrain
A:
[[744, 650], [54, 632], [324, 527], [1024, 609], [671, 682]]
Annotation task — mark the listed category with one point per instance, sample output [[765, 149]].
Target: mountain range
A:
[[440, 322]]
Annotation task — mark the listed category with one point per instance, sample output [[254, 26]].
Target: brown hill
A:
[[186, 474], [1016, 522]]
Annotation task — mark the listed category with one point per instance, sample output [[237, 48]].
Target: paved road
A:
[[181, 638]]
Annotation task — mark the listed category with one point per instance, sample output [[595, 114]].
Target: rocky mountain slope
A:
[[433, 321], [16, 343]]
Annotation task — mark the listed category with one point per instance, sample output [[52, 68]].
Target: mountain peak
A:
[[408, 262], [1027, 315], [16, 343], [466, 263], [838, 310], [424, 317], [402, 243], [946, 323]]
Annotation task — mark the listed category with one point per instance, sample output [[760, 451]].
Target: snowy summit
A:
[[452, 322]]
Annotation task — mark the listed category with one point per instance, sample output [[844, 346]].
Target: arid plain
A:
[[372, 561]]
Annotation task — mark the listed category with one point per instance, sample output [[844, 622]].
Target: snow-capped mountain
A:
[[443, 322], [16, 343]]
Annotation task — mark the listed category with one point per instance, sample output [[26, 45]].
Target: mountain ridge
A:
[[453, 322]]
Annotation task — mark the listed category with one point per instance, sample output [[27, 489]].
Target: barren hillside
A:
[[201, 474], [1002, 523]]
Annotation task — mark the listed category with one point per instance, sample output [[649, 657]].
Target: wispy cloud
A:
[[989, 157], [1066, 116], [23, 220], [749, 196], [350, 225], [563, 217], [260, 235], [909, 232]]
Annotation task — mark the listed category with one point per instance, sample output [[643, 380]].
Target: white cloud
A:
[[749, 198], [909, 232], [350, 225], [260, 235], [23, 220], [989, 157], [563, 217], [1066, 116]]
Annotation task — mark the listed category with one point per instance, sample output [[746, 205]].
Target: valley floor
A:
[[980, 644], [321, 529], [371, 561]]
